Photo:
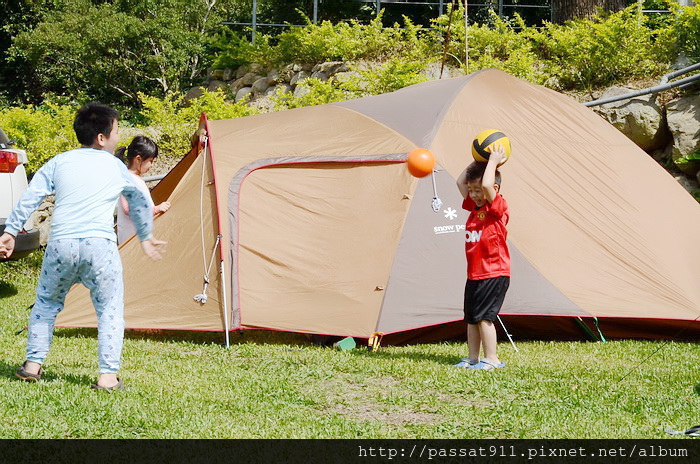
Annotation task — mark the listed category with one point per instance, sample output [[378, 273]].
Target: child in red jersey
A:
[[488, 259]]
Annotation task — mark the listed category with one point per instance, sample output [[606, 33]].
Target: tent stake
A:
[[507, 334]]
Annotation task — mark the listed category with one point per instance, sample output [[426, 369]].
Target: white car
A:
[[13, 181]]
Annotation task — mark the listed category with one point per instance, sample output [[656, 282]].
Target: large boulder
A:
[[320, 75], [289, 71], [41, 220], [245, 92], [684, 123], [639, 118], [298, 77], [330, 67], [216, 85], [246, 81], [300, 91], [194, 93], [260, 86], [228, 75], [274, 78], [241, 71]]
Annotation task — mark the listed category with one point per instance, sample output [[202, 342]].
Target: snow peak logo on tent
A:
[[451, 214], [448, 229]]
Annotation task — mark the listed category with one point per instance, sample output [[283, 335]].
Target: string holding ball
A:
[[484, 143], [420, 162]]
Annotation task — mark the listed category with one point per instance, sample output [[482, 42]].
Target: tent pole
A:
[[507, 334], [226, 318]]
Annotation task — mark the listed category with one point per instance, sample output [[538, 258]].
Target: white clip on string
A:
[[437, 202]]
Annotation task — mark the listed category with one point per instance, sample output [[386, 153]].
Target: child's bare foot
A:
[[32, 367], [107, 381], [29, 371]]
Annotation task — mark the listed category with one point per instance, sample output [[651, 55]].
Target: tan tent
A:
[[323, 231]]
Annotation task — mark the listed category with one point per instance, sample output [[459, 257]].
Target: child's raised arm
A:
[[462, 181], [488, 181]]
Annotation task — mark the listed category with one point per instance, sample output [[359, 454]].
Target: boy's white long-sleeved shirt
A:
[[87, 183]]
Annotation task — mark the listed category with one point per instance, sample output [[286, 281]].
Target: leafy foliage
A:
[[171, 121], [595, 52], [494, 44], [683, 33], [110, 51], [392, 75], [42, 131], [344, 41]]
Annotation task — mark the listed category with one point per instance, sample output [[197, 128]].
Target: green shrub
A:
[[599, 51], [43, 131], [683, 33], [392, 75], [228, 50], [172, 121], [498, 43], [344, 41]]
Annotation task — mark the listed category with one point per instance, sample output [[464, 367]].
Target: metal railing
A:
[[663, 85], [501, 5]]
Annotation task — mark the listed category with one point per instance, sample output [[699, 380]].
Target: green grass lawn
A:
[[271, 385]]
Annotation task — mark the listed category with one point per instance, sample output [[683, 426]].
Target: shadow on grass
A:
[[407, 353], [8, 370], [7, 289], [258, 337]]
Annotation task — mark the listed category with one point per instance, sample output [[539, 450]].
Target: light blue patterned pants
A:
[[95, 263]]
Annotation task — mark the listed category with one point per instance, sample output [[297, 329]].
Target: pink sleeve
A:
[[124, 204]]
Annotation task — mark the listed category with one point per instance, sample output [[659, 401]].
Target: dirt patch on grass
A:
[[379, 399]]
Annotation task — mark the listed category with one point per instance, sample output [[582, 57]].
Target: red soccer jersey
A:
[[485, 245]]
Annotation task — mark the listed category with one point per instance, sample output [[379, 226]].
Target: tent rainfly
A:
[[308, 221]]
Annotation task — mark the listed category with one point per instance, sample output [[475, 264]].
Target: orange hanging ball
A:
[[420, 162]]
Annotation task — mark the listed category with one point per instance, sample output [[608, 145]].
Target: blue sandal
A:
[[466, 363], [486, 365]]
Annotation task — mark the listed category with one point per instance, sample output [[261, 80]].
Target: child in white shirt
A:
[[139, 157]]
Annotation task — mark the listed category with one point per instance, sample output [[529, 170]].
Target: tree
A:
[[565, 10], [17, 16], [111, 50]]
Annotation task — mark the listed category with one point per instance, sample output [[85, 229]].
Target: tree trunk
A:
[[564, 10]]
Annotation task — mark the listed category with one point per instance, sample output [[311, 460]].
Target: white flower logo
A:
[[450, 213]]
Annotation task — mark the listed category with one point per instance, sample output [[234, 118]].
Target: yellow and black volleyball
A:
[[484, 142]]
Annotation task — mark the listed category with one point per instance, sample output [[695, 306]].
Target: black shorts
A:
[[483, 299]]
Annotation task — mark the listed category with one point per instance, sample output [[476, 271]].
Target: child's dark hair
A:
[[475, 172], [139, 146], [94, 119]]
